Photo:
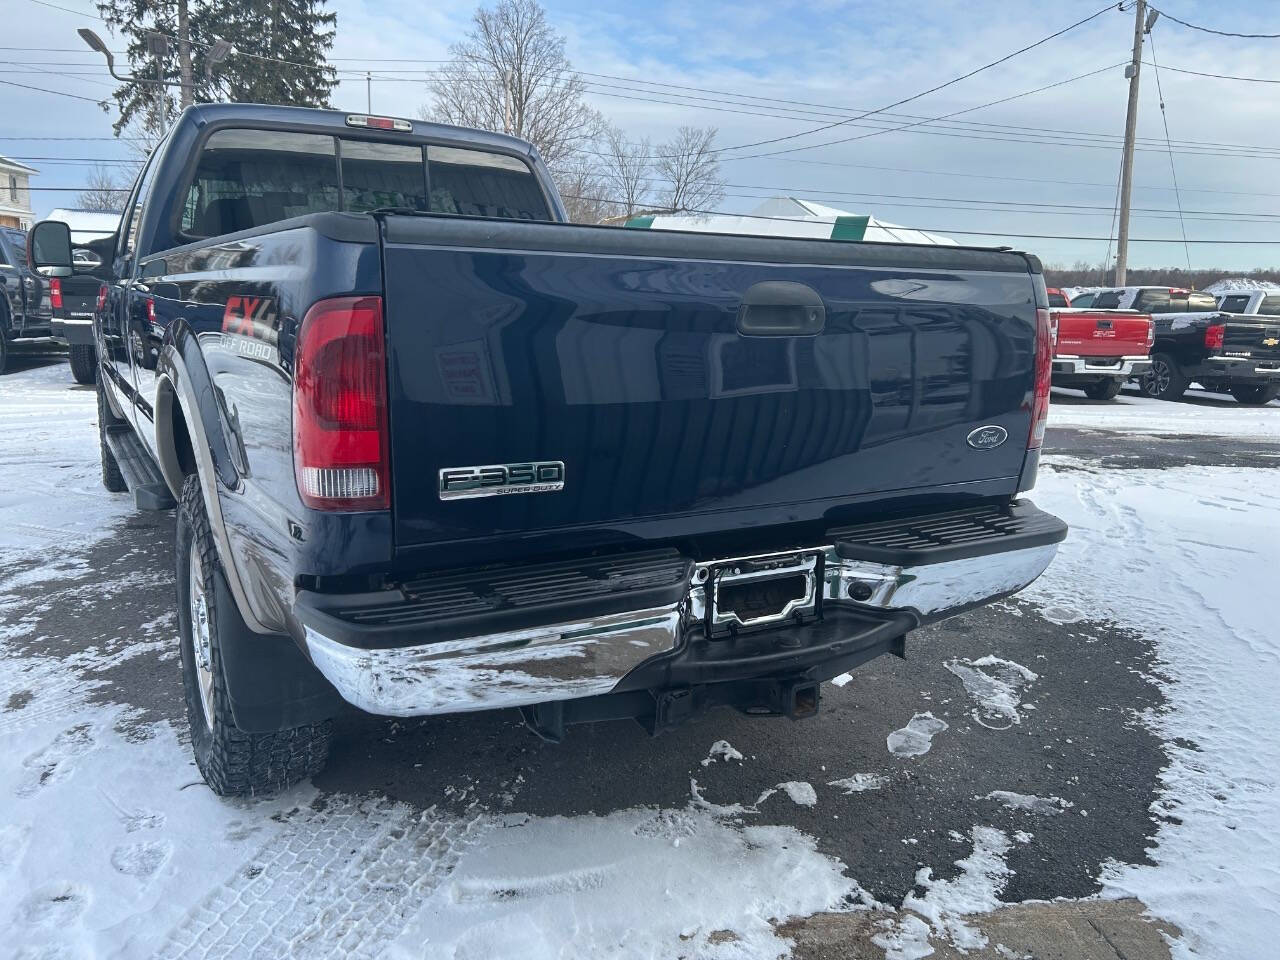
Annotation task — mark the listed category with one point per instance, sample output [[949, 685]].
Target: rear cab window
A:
[[1108, 300], [1160, 300], [248, 178], [1270, 306], [1058, 300], [1235, 304]]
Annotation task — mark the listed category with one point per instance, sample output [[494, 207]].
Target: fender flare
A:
[[186, 386]]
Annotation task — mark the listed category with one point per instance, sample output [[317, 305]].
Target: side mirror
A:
[[49, 249]]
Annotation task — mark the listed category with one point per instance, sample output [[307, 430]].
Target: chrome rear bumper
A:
[[589, 657], [1093, 366]]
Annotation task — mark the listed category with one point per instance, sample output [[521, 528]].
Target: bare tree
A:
[[688, 166], [584, 190], [105, 191], [625, 167], [511, 74]]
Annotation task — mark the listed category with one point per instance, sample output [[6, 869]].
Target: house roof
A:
[[8, 164]]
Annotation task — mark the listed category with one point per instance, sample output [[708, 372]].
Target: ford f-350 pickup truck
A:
[[434, 449]]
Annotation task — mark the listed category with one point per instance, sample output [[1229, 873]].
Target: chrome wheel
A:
[[200, 642]]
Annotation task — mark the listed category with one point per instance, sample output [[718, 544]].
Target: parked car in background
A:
[[1196, 341], [27, 300], [73, 320], [438, 450], [1098, 351]]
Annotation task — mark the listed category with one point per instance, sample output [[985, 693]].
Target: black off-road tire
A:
[[1256, 396], [1107, 389], [233, 762], [1164, 380], [84, 362], [112, 478]]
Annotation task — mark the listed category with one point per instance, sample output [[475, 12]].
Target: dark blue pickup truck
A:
[[434, 449]]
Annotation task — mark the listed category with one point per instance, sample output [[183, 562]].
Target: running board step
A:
[[150, 492]]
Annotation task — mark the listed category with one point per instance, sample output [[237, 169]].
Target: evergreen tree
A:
[[280, 50]]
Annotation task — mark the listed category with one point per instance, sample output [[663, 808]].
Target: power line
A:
[[61, 93], [1218, 76], [1221, 33], [1173, 170], [924, 93]]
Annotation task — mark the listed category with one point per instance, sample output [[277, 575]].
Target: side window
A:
[[474, 183], [1107, 300], [382, 175], [137, 200], [247, 178], [4, 257], [1237, 304]]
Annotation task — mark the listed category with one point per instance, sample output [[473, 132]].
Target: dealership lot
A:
[[1105, 733]]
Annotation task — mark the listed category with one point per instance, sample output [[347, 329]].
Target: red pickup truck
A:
[[1098, 350]]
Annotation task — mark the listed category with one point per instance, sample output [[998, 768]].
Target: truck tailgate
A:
[[1254, 337], [1103, 333], [617, 353]]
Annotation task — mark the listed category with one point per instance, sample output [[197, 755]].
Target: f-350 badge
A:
[[501, 479]]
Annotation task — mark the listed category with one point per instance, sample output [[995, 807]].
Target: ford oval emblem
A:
[[988, 437]]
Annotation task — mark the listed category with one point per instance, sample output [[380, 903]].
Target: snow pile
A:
[[945, 903], [1200, 549], [916, 737], [859, 782], [1029, 803], [1241, 285], [996, 685]]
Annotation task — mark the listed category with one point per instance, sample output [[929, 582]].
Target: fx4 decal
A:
[[253, 317]]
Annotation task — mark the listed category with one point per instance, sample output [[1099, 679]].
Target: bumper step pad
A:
[[954, 535]]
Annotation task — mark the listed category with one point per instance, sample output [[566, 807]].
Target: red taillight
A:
[[102, 298], [151, 309], [55, 293], [1044, 378], [1151, 334], [1214, 334], [341, 449]]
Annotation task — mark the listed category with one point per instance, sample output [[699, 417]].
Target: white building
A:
[[15, 194], [793, 217]]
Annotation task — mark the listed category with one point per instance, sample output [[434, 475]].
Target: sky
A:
[[1021, 172]]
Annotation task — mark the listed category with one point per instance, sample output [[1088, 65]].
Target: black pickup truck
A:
[[73, 316], [27, 299], [1197, 341], [434, 449]]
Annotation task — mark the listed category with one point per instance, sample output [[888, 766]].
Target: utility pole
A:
[[368, 91], [186, 96], [506, 102], [1133, 72]]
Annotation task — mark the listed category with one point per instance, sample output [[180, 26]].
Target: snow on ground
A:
[[1197, 550], [945, 903], [1205, 414], [997, 686], [1029, 803], [915, 739], [52, 494]]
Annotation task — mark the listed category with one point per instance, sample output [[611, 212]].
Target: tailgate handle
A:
[[1104, 324], [781, 308]]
